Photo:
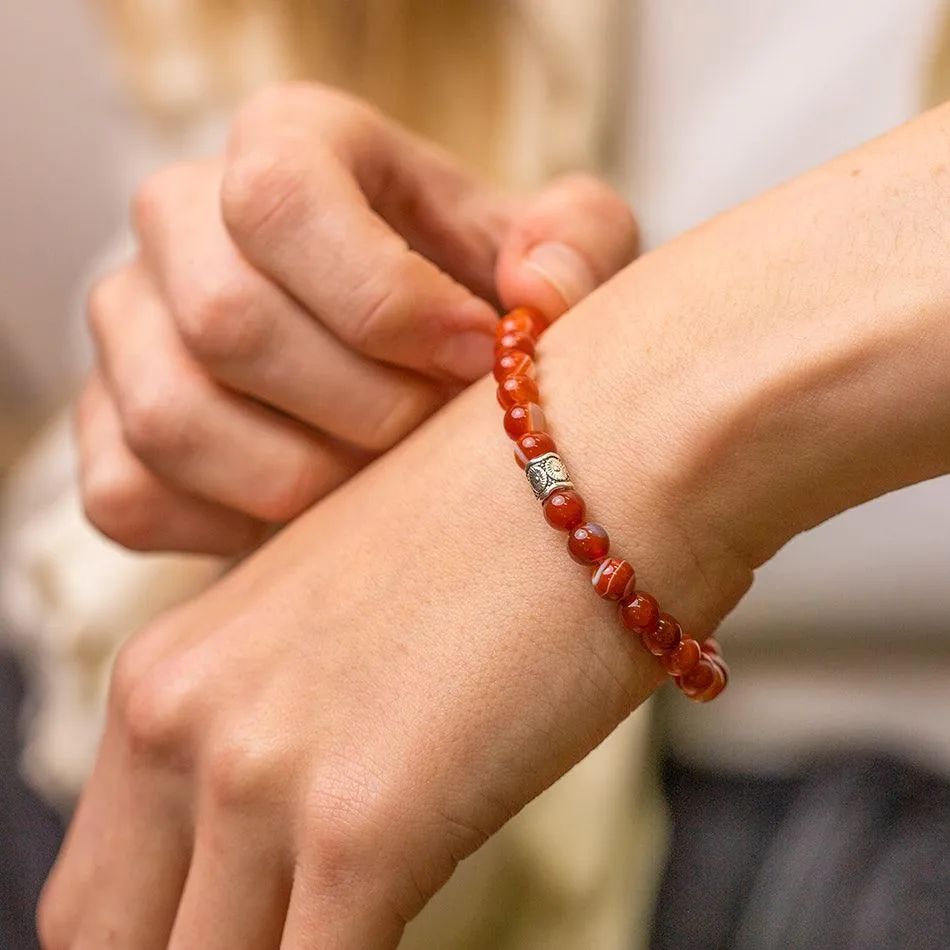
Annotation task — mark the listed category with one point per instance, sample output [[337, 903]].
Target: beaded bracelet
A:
[[698, 670]]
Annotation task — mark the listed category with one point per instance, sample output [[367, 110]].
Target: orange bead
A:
[[533, 445], [664, 637], [564, 509], [718, 684], [516, 341], [517, 389], [711, 646], [538, 321], [699, 678], [522, 419], [683, 658], [588, 543], [513, 363], [518, 321], [639, 612], [612, 578]]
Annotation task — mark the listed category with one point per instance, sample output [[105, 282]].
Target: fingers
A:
[[135, 508], [251, 337], [318, 918], [118, 880], [572, 238], [238, 887], [311, 177], [194, 434]]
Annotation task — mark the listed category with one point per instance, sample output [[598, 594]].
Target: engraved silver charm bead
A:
[[547, 474]]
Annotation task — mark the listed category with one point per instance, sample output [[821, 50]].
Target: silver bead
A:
[[547, 474]]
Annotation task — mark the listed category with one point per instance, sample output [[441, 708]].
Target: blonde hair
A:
[[436, 66]]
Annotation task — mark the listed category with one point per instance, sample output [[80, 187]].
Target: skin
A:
[[301, 756]]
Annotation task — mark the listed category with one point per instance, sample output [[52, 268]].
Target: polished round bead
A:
[[537, 319], [699, 678], [564, 509], [664, 637], [524, 418], [639, 612], [532, 445], [682, 659], [719, 682], [516, 341], [513, 363], [517, 389], [588, 543], [518, 321], [711, 646], [612, 578]]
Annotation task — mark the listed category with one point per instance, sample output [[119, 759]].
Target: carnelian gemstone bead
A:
[[516, 341], [564, 509], [588, 543], [718, 684], [522, 419], [518, 321], [612, 578], [538, 320], [699, 678], [513, 363], [683, 658], [639, 612], [533, 445], [517, 389], [664, 637]]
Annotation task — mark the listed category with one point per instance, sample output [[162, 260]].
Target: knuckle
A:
[[261, 191], [240, 771], [117, 502], [217, 319], [154, 418], [156, 709], [346, 818]]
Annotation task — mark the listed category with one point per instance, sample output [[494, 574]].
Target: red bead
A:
[[664, 637], [533, 445], [588, 543], [518, 321], [639, 612], [517, 389], [682, 659], [718, 684], [613, 578], [538, 321], [516, 341], [513, 363], [564, 509], [711, 646], [522, 419], [699, 678]]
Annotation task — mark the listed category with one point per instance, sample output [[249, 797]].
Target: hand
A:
[[301, 305], [299, 758]]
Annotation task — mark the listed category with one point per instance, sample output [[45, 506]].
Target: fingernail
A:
[[563, 268], [467, 355]]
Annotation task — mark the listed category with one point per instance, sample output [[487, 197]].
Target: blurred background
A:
[[811, 809], [63, 196]]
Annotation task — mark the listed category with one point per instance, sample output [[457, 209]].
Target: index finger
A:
[[307, 177]]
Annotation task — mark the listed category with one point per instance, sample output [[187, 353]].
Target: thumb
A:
[[571, 238]]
